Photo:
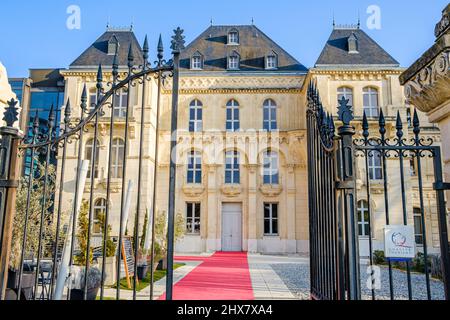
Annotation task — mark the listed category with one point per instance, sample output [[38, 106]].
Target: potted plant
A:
[[94, 275], [33, 229], [110, 256], [94, 281]]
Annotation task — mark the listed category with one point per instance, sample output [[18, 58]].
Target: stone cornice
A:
[[235, 91], [380, 71]]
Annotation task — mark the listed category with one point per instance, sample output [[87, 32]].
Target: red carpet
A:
[[224, 276]]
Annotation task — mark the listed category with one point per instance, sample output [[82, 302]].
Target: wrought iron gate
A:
[[44, 183], [340, 165]]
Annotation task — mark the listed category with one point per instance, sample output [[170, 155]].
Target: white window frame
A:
[[375, 165], [99, 207], [270, 122], [196, 123], [271, 219], [417, 213], [363, 207], [233, 62], [118, 149], [271, 168], [347, 93], [197, 62], [372, 111], [88, 149], [271, 62], [194, 166], [120, 104], [234, 123], [232, 167], [233, 37], [190, 228]]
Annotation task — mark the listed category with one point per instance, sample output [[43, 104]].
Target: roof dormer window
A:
[[353, 44], [113, 45], [233, 37], [272, 61], [233, 61], [197, 61]]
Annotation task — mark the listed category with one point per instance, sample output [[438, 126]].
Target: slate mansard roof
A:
[[98, 52], [369, 53], [254, 46]]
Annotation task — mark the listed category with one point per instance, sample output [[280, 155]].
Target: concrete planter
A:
[[110, 270]]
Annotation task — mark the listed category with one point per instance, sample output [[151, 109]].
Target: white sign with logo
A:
[[399, 242]]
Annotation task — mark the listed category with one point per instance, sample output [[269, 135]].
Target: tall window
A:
[[418, 226], [375, 165], [88, 156], [118, 155], [197, 63], [196, 116], [233, 62], [370, 102], [120, 104], [347, 93], [99, 210], [233, 37], [194, 174], [271, 168], [233, 123], [193, 218], [271, 219], [270, 115], [363, 219], [232, 168]]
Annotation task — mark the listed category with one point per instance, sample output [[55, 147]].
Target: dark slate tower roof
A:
[[338, 50], [98, 52], [253, 48]]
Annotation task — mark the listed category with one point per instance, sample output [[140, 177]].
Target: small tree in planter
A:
[[110, 261], [161, 235], [33, 224], [94, 279]]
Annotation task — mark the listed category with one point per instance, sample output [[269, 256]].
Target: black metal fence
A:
[[342, 234], [41, 230]]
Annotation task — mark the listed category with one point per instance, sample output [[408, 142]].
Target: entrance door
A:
[[231, 227]]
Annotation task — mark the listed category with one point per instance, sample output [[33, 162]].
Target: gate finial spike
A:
[[145, 49], [51, 117], [130, 57], [84, 99], [399, 125], [115, 64], [160, 50], [67, 112], [365, 126], [36, 123], [416, 123], [99, 76]]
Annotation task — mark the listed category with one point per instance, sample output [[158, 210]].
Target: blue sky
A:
[[34, 33]]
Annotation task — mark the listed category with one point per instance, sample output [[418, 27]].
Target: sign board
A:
[[399, 242]]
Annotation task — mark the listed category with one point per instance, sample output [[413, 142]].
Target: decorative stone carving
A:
[[271, 190], [444, 24], [231, 190], [193, 190]]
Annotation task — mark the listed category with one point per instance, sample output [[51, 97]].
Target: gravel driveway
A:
[[296, 278]]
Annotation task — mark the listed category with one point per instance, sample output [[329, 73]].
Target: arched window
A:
[[271, 174], [233, 121], [234, 61], [120, 104], [196, 116], [272, 60], [88, 156], [363, 219], [194, 168], [99, 215], [118, 155], [370, 102], [270, 115], [418, 226], [232, 168], [233, 37], [347, 93]]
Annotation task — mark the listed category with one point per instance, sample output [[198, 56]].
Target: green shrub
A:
[[418, 263], [378, 257]]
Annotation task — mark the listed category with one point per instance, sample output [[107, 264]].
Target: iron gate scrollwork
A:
[[340, 165], [45, 140]]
